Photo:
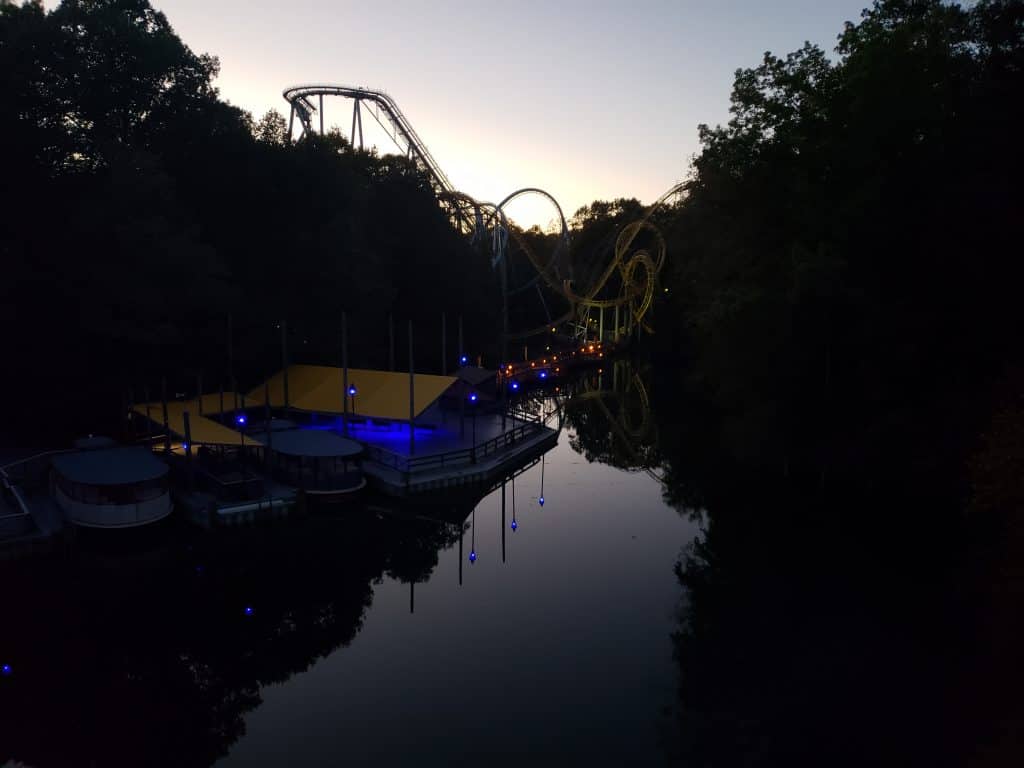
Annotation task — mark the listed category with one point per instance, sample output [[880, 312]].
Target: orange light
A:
[[532, 364], [591, 347]]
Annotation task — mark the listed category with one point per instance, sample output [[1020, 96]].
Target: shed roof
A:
[[204, 431], [121, 465], [379, 394]]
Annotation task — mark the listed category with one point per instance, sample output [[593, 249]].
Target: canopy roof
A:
[[312, 443], [379, 394], [121, 465], [203, 431]]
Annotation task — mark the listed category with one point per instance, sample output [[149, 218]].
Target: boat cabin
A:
[[105, 485]]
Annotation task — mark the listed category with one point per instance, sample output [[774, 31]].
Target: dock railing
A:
[[456, 458]]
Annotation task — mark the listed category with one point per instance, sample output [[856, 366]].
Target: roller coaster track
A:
[[637, 270]]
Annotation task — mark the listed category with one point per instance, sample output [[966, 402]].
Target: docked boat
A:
[[105, 485]]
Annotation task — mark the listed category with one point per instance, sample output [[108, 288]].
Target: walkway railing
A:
[[456, 458]]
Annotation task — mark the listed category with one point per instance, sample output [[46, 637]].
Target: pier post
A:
[[503, 521], [391, 342], [149, 421], [131, 413], [444, 347], [462, 533], [284, 366], [167, 426], [188, 451], [412, 396], [231, 361], [269, 418], [344, 373], [241, 432]]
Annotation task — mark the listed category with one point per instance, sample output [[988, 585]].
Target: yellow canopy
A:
[[204, 431], [379, 394]]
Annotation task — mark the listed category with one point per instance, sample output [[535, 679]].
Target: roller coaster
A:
[[626, 287]]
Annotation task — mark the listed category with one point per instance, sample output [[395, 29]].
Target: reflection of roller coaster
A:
[[627, 286]]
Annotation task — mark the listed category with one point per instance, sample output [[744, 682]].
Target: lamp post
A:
[[352, 398], [473, 397]]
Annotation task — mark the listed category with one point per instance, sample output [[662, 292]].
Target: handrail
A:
[[409, 464]]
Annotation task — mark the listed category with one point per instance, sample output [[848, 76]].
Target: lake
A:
[[367, 636]]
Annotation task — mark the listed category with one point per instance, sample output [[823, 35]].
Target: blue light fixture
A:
[[515, 385], [514, 525], [543, 374], [472, 557], [352, 391], [6, 669], [240, 418], [472, 398], [463, 360], [248, 610], [541, 501], [184, 446]]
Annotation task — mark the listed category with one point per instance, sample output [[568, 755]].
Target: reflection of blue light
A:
[[248, 610], [472, 557], [543, 374], [472, 398], [352, 391], [515, 385], [541, 501], [6, 669], [514, 525], [463, 359], [240, 418]]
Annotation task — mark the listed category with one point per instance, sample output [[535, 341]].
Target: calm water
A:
[[296, 644], [563, 649]]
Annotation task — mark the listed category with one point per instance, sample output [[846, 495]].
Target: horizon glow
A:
[[587, 100]]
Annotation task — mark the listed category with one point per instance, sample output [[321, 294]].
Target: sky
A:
[[587, 100]]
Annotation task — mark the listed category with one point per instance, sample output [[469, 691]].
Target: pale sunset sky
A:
[[588, 100]]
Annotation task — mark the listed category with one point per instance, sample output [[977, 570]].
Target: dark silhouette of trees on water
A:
[[839, 355], [837, 368]]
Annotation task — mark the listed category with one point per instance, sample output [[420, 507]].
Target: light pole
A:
[[472, 401]]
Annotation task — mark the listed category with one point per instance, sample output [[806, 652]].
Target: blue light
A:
[[541, 501], [543, 374], [472, 398], [248, 610], [463, 360], [352, 391], [184, 446], [472, 557], [514, 525], [6, 669], [515, 385], [240, 418]]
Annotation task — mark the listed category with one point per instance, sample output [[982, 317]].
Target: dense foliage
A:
[[845, 271], [145, 209], [847, 418]]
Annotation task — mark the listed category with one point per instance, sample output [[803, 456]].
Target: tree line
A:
[[145, 210]]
